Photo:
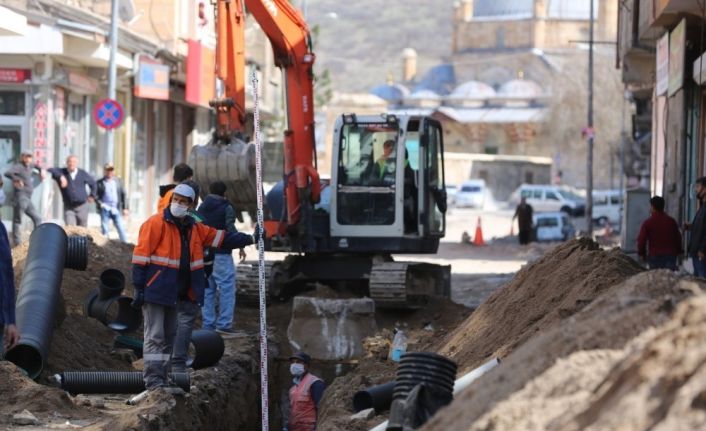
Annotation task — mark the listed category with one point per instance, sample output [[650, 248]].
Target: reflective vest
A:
[[302, 409]]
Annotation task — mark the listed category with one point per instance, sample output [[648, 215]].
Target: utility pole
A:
[[589, 158], [112, 76]]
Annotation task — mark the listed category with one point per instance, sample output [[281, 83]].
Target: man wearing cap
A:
[[167, 264], [78, 188], [304, 395], [110, 201], [21, 175]]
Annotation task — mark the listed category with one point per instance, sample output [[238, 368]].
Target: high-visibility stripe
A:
[[197, 263], [140, 259], [156, 357], [218, 239], [165, 260]]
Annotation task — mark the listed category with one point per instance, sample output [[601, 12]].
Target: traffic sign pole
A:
[[112, 77]]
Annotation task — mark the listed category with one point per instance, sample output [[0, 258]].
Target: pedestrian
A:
[[697, 228], [523, 213], [304, 395], [168, 265], [217, 212], [182, 172], [9, 335], [78, 188], [110, 202], [661, 233], [22, 176]]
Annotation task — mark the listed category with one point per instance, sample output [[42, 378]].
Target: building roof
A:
[[440, 79], [424, 94], [520, 88], [473, 90], [494, 115], [393, 93]]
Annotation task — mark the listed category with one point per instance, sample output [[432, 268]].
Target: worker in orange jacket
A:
[[168, 264], [304, 395]]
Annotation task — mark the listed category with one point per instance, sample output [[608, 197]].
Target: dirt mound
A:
[[80, 343], [554, 287], [424, 328], [548, 382]]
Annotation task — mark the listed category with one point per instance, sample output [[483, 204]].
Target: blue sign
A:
[[108, 114]]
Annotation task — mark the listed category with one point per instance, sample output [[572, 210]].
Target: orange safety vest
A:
[[302, 409]]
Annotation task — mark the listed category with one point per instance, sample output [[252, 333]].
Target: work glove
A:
[[138, 299], [256, 234]]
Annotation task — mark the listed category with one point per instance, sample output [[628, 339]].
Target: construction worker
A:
[[9, 335], [304, 396], [182, 172], [74, 182], [110, 200], [168, 264], [697, 228], [661, 233], [523, 214], [21, 175], [385, 164]]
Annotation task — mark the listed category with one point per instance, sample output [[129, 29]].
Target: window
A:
[[551, 196], [547, 222], [615, 200], [600, 200], [537, 194], [366, 174], [12, 103], [527, 194], [470, 189]]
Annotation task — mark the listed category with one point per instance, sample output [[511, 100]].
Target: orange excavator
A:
[[386, 195]]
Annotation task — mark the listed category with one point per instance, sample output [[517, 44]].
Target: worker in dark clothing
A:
[[697, 228], [73, 182], [182, 172], [304, 396], [661, 233], [9, 335], [523, 213], [21, 175], [110, 200], [168, 265]]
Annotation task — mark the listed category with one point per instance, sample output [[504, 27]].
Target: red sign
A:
[[108, 114], [15, 76], [200, 74]]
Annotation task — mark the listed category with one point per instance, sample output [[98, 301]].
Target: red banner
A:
[[15, 76], [200, 74]]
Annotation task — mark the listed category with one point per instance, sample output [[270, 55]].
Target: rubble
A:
[[24, 418]]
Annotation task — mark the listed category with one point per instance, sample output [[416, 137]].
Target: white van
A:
[[606, 206], [547, 197], [554, 226], [471, 194]]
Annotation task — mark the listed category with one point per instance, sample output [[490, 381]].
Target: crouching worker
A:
[[168, 264]]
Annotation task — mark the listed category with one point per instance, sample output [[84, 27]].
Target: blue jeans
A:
[[699, 266], [106, 216], [662, 262], [221, 283]]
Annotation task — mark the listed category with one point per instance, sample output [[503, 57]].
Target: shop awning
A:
[[12, 23], [494, 115]]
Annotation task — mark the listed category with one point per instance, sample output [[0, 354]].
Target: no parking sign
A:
[[108, 114]]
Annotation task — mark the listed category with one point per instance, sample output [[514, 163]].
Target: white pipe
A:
[[459, 384]]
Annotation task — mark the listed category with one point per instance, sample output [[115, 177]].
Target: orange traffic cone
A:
[[478, 239]]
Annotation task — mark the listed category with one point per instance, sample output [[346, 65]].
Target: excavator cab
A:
[[388, 191]]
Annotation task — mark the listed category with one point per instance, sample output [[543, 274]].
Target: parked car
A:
[[606, 206], [451, 191], [471, 194], [548, 197], [553, 226]]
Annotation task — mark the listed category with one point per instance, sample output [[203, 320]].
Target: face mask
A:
[[296, 369], [177, 210]]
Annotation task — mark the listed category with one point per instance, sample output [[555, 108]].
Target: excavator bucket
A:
[[234, 164]]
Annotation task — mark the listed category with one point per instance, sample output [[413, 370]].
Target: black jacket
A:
[[100, 192], [697, 239], [75, 193]]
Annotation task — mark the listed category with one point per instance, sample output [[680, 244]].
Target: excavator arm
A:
[[291, 42]]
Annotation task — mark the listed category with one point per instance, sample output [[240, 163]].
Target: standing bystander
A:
[[78, 188], [110, 200], [661, 233], [21, 175], [523, 213], [9, 335], [697, 230]]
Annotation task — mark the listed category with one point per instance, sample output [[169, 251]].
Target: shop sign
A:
[[152, 81], [200, 74], [677, 43], [662, 65], [14, 76], [81, 83]]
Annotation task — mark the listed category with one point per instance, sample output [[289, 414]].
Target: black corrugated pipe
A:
[[77, 253], [115, 312], [126, 342], [112, 283], [112, 382], [378, 397], [38, 297], [208, 349]]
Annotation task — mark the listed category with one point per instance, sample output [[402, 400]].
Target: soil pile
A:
[[79, 342], [425, 330], [601, 368], [556, 286]]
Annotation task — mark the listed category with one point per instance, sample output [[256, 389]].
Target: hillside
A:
[[361, 42]]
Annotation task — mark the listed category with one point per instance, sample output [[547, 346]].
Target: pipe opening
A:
[[120, 316], [206, 349], [362, 400], [27, 358], [112, 283]]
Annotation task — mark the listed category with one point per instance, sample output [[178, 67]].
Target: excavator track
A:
[[248, 282], [408, 285]]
